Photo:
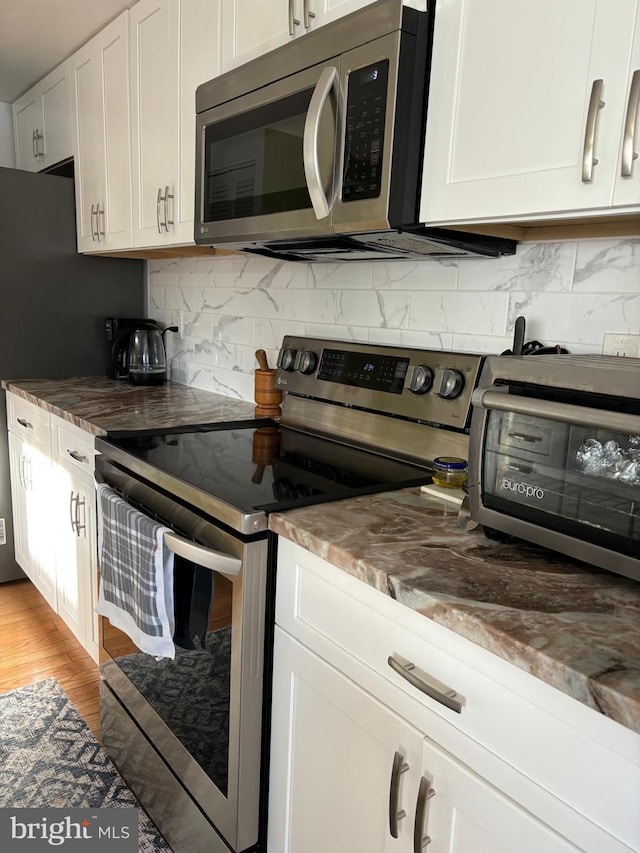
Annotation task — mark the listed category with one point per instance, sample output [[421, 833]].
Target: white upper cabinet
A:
[[101, 139], [175, 46], [41, 122], [528, 107], [251, 29]]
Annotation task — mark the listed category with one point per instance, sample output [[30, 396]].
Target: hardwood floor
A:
[[35, 643]]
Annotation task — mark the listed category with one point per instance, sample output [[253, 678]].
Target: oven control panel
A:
[[430, 386]]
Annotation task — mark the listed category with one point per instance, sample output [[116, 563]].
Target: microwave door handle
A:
[[328, 80], [580, 415], [217, 561]]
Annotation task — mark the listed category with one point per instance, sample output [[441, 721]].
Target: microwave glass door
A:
[[253, 159], [573, 478]]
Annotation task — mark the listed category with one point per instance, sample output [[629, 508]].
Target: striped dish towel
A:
[[136, 574]]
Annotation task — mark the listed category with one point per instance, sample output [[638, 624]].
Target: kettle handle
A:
[[169, 329]]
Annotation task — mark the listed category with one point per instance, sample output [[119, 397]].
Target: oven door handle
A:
[[217, 561], [564, 412]]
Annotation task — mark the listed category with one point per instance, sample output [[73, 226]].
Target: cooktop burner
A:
[[261, 466]]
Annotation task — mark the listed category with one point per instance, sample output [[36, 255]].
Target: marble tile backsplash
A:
[[571, 293]]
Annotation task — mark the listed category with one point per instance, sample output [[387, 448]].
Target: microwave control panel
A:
[[364, 134]]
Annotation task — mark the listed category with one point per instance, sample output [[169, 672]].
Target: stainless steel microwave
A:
[[554, 455], [314, 151]]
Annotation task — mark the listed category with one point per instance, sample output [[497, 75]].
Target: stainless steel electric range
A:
[[191, 735]]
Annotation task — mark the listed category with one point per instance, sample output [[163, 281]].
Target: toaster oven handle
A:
[[564, 412], [327, 81]]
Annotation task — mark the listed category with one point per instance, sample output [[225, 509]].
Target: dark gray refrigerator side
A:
[[53, 301]]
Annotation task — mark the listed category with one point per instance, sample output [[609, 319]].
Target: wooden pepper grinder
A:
[[266, 395]]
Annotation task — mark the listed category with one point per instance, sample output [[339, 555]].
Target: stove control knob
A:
[[306, 362], [287, 359], [450, 384], [421, 379]]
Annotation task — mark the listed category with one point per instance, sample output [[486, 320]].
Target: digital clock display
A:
[[364, 370]]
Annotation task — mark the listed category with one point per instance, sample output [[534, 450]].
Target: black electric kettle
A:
[[147, 356]]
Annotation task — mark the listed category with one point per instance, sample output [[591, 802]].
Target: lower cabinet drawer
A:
[[27, 420], [72, 447], [469, 700]]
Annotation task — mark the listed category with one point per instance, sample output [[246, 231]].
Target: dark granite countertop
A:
[[100, 405], [573, 626]]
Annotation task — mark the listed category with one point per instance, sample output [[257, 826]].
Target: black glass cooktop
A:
[[258, 465]]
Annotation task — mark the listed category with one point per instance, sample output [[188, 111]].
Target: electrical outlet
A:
[[623, 345], [176, 320]]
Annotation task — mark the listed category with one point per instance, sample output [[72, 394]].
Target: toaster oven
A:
[[554, 455]]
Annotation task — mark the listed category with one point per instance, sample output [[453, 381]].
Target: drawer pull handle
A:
[[395, 815], [25, 423], [79, 457], [443, 696], [521, 436], [425, 792]]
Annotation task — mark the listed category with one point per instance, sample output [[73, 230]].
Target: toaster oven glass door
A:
[[577, 479]]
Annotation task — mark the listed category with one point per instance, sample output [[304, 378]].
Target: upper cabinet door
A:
[[112, 46], [56, 116], [154, 117], [101, 139], [627, 188], [526, 108], [251, 29], [42, 122], [27, 118], [88, 150], [175, 46]]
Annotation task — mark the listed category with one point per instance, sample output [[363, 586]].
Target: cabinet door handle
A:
[[420, 838], [293, 21], [395, 815], [24, 423], [37, 137], [167, 196], [308, 14], [93, 230], [28, 475], [21, 470], [33, 146], [628, 154], [158, 203], [73, 516], [436, 691], [99, 213], [79, 457], [595, 104]]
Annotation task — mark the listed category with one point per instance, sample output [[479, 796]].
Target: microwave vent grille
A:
[[422, 247]]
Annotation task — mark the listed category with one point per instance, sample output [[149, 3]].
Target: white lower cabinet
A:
[[348, 774], [29, 465], [366, 759], [54, 516], [332, 765]]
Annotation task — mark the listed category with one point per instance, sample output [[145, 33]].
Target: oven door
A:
[[265, 162], [563, 475], [202, 711]]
